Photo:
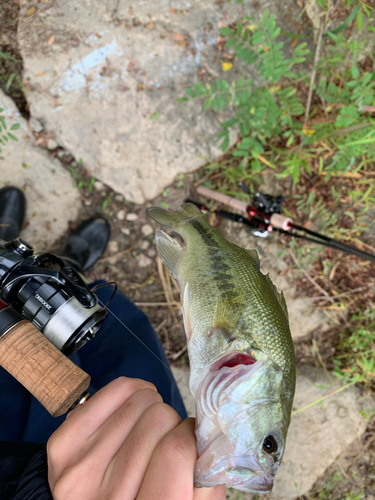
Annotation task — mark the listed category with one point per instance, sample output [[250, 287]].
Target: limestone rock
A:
[[52, 196], [317, 435], [182, 378], [52, 144], [108, 84], [121, 214], [131, 217]]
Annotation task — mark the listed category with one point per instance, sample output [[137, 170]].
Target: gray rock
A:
[[108, 84], [99, 186], [182, 378], [52, 144], [52, 196], [131, 217], [147, 230], [121, 215], [113, 246], [317, 435], [144, 261], [145, 244], [35, 125], [125, 230]]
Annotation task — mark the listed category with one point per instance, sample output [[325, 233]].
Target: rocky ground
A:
[[331, 444]]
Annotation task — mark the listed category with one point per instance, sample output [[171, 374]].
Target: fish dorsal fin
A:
[[174, 220], [279, 296], [254, 255], [169, 250], [228, 313]]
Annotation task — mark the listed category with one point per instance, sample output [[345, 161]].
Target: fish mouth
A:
[[232, 359]]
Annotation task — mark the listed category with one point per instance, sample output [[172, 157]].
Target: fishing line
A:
[[157, 357]]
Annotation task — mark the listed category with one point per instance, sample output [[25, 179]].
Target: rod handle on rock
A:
[[225, 199], [40, 367]]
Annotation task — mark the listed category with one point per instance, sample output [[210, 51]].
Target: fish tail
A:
[[174, 220]]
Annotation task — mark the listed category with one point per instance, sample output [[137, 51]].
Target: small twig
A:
[[313, 73], [178, 354], [320, 400], [321, 290], [158, 328], [349, 292]]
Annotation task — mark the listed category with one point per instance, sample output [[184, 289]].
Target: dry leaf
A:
[[131, 11], [51, 40], [178, 37], [140, 86], [40, 74], [172, 11], [182, 43], [98, 35], [151, 26], [31, 11]]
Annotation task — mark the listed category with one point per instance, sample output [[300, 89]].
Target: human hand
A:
[[125, 444]]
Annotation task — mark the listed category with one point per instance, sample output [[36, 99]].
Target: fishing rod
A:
[[265, 214]]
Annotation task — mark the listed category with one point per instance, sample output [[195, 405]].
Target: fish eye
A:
[[270, 444]]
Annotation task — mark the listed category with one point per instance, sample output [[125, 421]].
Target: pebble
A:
[[88, 203], [131, 217], [99, 186], [36, 125], [145, 244], [125, 230], [147, 230], [144, 261], [119, 197], [52, 144], [113, 246], [151, 252], [121, 215]]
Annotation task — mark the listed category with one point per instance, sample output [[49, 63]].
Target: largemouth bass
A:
[[240, 350]]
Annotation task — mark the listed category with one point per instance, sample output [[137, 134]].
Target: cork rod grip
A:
[[41, 368], [223, 198]]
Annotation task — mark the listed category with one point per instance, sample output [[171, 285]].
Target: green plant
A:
[[83, 182], [270, 116], [357, 361], [5, 134]]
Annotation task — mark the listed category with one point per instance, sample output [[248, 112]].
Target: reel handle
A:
[[41, 368]]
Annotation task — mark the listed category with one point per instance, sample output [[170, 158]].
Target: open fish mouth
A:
[[232, 359], [222, 419]]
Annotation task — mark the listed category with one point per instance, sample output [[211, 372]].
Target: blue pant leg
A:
[[113, 353]]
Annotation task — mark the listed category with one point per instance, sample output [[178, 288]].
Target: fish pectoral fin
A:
[[279, 296], [227, 315], [254, 255], [169, 250]]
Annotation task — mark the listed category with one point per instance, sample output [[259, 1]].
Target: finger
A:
[[96, 453], [170, 475], [69, 443], [87, 419], [135, 454], [215, 493]]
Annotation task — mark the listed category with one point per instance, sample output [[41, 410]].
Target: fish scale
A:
[[231, 312]]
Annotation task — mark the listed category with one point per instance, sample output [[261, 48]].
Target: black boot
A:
[[87, 243], [12, 212]]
